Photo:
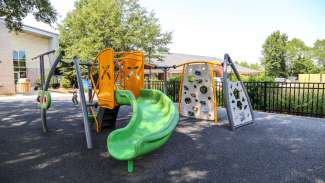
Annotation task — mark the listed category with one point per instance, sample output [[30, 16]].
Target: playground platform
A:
[[277, 148]]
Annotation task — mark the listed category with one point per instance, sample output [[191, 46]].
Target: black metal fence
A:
[[307, 99]]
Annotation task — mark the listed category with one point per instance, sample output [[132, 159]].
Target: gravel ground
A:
[[277, 148]]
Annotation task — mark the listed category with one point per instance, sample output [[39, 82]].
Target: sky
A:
[[237, 27]]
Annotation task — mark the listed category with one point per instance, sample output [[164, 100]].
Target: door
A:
[[16, 76]]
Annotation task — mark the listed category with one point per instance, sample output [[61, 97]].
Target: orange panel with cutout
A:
[[133, 71], [106, 84]]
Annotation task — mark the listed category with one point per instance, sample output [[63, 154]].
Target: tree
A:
[[299, 58], [319, 53], [274, 54], [14, 11], [121, 24]]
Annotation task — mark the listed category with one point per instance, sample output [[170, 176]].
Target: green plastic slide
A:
[[154, 118]]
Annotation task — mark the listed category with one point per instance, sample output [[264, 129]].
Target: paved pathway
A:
[[277, 148]]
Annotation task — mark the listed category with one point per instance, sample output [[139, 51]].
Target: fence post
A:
[[149, 83], [265, 95]]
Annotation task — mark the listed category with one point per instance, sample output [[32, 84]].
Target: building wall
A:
[[311, 78], [7, 85], [32, 44]]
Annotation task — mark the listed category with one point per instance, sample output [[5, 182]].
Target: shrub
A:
[[65, 83], [54, 83], [175, 78], [259, 78]]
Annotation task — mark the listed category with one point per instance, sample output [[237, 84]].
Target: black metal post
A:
[[165, 80], [43, 111], [265, 97]]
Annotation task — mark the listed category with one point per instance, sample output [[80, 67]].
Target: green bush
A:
[[54, 83], [175, 78], [259, 78], [65, 83]]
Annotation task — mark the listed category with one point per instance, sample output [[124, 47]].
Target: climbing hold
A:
[[236, 93], [187, 100], [198, 73], [209, 98], [239, 105], [190, 113], [205, 110], [194, 86], [44, 99], [203, 89], [199, 81], [195, 108], [203, 102], [185, 87], [190, 78], [193, 95]]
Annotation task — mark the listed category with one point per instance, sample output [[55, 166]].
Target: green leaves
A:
[[14, 11], [283, 58], [274, 54], [121, 24], [299, 58], [319, 53]]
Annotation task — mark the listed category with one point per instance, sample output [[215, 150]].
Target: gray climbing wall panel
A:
[[236, 99], [197, 98], [239, 105]]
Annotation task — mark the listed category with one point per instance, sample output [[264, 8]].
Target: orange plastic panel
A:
[[133, 71], [106, 84]]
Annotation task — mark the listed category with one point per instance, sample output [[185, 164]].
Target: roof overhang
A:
[[33, 30], [37, 31]]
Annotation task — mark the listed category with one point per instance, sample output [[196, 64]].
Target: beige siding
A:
[[6, 66], [32, 44]]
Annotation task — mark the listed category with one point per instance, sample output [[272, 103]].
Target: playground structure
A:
[[237, 102], [117, 78], [154, 116], [197, 95]]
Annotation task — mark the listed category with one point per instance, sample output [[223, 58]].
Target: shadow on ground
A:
[[277, 148]]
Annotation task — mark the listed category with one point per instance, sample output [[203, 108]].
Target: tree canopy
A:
[[283, 57], [14, 11], [121, 24], [319, 53], [299, 58], [274, 54]]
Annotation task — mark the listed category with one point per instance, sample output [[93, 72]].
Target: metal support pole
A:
[[165, 80], [43, 111], [83, 104], [90, 91]]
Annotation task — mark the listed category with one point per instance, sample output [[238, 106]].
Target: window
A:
[[19, 59]]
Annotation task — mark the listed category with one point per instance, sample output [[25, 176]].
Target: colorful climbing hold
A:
[[203, 89]]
